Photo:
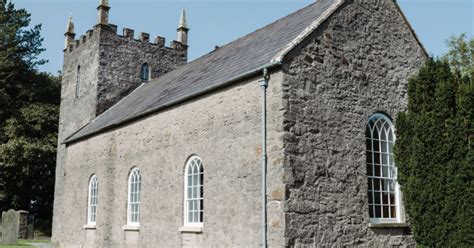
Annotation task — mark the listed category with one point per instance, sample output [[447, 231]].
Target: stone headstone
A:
[[23, 228], [10, 226], [31, 227]]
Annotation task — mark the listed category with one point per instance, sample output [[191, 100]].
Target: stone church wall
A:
[[121, 58], [358, 63], [223, 128]]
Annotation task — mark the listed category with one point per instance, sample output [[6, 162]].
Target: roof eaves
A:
[[268, 66], [298, 39]]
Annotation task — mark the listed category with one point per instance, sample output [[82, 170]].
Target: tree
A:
[[434, 150], [461, 55], [29, 106]]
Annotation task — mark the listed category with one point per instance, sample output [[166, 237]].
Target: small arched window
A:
[[134, 189], [145, 72], [78, 81], [383, 189], [194, 192], [92, 200]]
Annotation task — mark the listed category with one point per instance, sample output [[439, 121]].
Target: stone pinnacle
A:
[[182, 20], [70, 26]]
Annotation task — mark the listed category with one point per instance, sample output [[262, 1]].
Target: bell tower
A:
[[101, 67]]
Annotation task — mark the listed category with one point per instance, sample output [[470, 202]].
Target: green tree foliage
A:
[[434, 151], [29, 106], [461, 55]]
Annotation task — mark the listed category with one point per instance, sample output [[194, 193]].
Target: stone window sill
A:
[[89, 227], [191, 229], [388, 225], [131, 228]]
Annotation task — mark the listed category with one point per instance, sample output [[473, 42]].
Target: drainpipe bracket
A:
[[266, 78]]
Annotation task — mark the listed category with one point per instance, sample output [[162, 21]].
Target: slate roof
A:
[[242, 57]]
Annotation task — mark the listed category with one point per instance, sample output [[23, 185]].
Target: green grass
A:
[[24, 243]]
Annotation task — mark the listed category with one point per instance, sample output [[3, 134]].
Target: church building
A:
[[281, 138]]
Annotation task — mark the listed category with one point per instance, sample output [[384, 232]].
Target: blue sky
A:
[[217, 22]]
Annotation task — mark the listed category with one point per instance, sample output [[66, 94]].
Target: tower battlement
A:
[[127, 35], [102, 66]]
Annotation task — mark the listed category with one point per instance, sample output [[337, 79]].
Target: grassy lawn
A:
[[24, 243]]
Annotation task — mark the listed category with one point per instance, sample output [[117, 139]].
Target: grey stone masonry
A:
[[10, 226], [120, 61], [99, 69], [357, 63]]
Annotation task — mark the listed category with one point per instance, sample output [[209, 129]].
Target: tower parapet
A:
[[71, 44], [117, 59]]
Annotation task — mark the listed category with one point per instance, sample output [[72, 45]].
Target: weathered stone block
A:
[[145, 37], [129, 33], [10, 227], [113, 27], [89, 33], [160, 41], [178, 46]]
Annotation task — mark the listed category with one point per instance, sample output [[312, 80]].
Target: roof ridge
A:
[[298, 39]]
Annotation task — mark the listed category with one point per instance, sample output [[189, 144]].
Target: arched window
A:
[[92, 200], [383, 189], [78, 81], [145, 72], [194, 192], [134, 188]]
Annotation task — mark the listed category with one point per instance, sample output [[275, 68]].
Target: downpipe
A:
[[264, 86]]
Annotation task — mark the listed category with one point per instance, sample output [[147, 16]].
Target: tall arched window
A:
[[383, 189], [78, 81], [92, 200], [194, 192], [145, 72], [134, 189]]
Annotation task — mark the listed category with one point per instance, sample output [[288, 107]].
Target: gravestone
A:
[[10, 226], [23, 228], [31, 227]]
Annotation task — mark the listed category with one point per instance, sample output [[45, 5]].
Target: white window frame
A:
[[92, 200], [134, 199], [187, 223], [390, 165]]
